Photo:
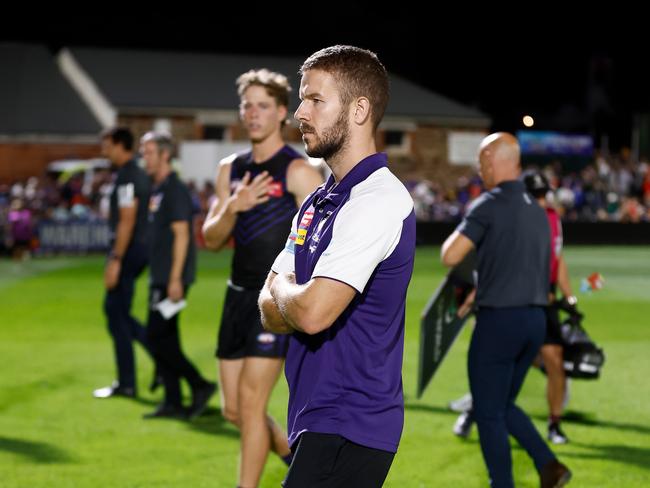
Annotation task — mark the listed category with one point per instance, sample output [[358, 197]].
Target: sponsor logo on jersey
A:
[[305, 222], [300, 238], [275, 189], [266, 338], [154, 202], [306, 219]]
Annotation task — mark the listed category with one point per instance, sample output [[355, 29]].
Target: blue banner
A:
[[546, 143], [73, 236]]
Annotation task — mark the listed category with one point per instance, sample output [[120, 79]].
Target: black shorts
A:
[[241, 333], [553, 326], [329, 460]]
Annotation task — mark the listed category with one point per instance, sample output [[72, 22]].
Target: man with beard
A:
[[258, 193], [339, 286]]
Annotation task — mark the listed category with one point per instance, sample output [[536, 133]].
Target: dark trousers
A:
[[332, 461], [123, 327], [504, 343], [165, 343]]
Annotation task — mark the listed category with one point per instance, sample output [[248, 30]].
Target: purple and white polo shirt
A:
[[347, 379]]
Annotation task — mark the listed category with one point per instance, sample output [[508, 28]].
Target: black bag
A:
[[582, 357]]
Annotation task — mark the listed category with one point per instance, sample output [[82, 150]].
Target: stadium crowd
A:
[[610, 189]]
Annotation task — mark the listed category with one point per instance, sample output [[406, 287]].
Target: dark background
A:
[[581, 71]]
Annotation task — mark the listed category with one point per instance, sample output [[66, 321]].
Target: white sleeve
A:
[[364, 234], [285, 261], [126, 195]]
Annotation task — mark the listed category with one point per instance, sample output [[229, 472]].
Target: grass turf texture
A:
[[54, 349]]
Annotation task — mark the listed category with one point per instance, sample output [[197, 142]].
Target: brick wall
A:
[[427, 158], [19, 161]]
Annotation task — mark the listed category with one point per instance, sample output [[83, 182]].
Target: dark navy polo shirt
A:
[[513, 241], [170, 202], [131, 182]]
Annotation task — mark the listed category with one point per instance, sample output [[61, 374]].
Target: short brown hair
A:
[[276, 84], [358, 73]]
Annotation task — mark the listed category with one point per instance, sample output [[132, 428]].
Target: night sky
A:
[[581, 72]]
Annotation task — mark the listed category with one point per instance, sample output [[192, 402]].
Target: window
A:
[[394, 137], [213, 132]]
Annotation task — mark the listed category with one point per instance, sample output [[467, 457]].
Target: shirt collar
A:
[[336, 193], [171, 176], [510, 185]]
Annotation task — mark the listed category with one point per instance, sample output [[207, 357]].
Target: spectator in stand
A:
[[22, 232]]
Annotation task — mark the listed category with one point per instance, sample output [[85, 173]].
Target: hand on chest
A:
[[274, 189]]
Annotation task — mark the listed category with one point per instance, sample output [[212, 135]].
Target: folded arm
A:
[[309, 308]]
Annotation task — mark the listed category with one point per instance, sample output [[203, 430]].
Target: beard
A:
[[333, 140]]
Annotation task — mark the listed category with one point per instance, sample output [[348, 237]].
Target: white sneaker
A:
[[463, 425], [555, 434], [463, 404]]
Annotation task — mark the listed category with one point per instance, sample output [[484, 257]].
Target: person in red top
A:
[[552, 351]]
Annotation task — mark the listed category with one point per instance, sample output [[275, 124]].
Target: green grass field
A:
[[54, 349]]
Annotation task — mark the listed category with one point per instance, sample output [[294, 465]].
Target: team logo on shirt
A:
[[305, 222], [316, 235], [265, 340], [154, 202], [275, 189]]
